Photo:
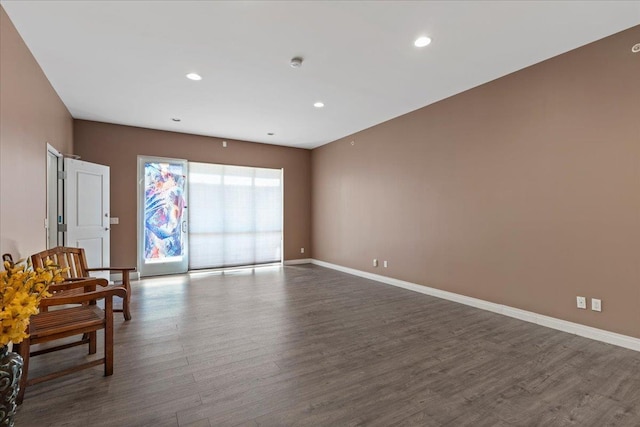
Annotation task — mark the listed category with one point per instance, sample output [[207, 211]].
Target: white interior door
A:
[[86, 210], [162, 216]]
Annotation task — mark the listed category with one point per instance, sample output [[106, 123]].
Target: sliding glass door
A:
[[162, 216], [235, 215]]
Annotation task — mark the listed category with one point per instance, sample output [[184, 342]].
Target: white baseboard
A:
[[528, 316], [298, 261], [117, 277]]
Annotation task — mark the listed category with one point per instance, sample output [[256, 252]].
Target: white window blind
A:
[[235, 215]]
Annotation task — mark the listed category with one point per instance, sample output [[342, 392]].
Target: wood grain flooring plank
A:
[[304, 345]]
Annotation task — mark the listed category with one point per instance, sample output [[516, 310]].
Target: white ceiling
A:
[[125, 61]]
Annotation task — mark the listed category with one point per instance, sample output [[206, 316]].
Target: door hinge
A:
[[62, 228], [62, 174]]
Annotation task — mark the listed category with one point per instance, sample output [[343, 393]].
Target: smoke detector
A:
[[296, 62], [634, 49]]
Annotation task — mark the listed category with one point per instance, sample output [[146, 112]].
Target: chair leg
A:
[[126, 300], [125, 308], [93, 342], [23, 350], [108, 338]]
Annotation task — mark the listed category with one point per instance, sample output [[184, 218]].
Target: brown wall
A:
[[118, 147], [31, 115], [524, 191]]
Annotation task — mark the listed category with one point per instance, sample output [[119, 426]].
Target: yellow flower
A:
[[21, 290]]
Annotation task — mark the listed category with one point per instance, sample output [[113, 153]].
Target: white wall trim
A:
[[528, 316], [298, 261], [116, 277]]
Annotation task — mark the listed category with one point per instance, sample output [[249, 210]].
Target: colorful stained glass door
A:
[[162, 216]]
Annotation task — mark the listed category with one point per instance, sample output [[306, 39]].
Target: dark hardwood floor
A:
[[304, 345]]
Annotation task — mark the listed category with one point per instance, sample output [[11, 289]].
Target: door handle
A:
[[106, 229], [184, 226]]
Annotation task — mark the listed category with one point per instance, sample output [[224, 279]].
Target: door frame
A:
[[54, 199]]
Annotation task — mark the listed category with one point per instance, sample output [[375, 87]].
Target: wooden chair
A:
[[85, 320], [75, 259], [7, 258]]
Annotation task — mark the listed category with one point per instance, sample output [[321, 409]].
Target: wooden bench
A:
[[84, 320], [75, 259]]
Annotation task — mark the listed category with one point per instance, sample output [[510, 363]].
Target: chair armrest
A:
[[78, 283], [111, 269], [76, 279], [107, 292]]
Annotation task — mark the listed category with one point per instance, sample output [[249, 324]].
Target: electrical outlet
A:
[[375, 262], [384, 263], [596, 304], [581, 302], [301, 250]]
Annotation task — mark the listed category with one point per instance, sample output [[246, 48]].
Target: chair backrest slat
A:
[[64, 257]]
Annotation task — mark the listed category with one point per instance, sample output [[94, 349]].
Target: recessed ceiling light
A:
[[175, 119], [422, 41], [194, 76], [318, 104], [270, 133]]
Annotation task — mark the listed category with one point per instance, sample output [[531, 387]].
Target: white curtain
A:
[[235, 215]]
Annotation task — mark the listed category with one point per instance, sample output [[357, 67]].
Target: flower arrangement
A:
[[21, 289]]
